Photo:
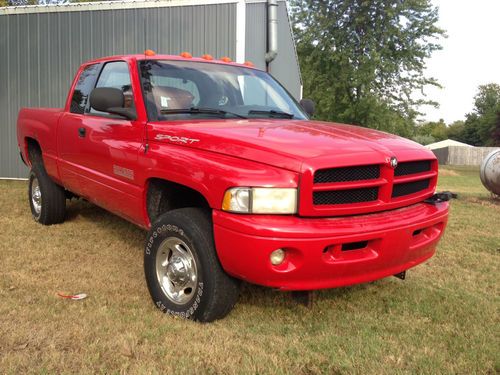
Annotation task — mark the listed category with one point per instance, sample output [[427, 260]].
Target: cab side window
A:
[[116, 75], [83, 87]]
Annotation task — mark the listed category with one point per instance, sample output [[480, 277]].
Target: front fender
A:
[[209, 173]]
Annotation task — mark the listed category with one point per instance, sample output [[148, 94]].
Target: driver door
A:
[[109, 146]]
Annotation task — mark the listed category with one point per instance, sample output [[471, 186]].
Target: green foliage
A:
[[455, 131], [471, 130], [482, 125], [496, 132], [424, 139], [6, 3], [487, 107], [362, 60], [436, 130]]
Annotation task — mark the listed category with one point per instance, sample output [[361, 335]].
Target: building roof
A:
[[110, 4], [446, 143]]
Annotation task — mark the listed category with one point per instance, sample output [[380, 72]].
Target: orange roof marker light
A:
[[249, 63], [186, 55], [207, 57], [226, 59], [149, 52]]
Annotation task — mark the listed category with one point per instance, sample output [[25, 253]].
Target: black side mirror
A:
[[308, 105], [111, 100]]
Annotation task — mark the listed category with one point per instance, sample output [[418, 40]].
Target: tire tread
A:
[[53, 197]]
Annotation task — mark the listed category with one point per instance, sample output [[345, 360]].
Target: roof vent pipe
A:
[[272, 30]]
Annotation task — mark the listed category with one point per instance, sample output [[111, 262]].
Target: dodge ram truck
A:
[[232, 180]]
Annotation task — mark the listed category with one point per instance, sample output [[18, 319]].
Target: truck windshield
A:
[[178, 90]]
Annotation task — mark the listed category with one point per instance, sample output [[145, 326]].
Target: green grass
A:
[[443, 319]]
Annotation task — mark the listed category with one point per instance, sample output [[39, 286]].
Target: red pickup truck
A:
[[232, 180]]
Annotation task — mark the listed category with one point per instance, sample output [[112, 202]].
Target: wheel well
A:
[[163, 196], [34, 151]]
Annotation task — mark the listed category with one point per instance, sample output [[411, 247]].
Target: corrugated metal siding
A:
[[256, 34], [285, 67], [42, 51]]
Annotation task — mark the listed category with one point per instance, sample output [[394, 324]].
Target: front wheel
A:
[[183, 273]]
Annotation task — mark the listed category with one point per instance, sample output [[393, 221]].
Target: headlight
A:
[[261, 200]]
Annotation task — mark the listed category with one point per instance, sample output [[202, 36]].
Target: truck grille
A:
[[350, 190], [409, 188], [345, 196], [412, 167], [364, 172]]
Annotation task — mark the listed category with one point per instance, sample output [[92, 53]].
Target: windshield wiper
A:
[[196, 110], [271, 113]]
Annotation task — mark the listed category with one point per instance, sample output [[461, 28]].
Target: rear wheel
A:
[[182, 270], [47, 199]]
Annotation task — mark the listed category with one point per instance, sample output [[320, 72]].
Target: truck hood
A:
[[283, 143]]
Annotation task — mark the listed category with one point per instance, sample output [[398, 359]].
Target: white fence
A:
[[461, 155]]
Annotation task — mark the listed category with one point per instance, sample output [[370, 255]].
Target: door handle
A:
[[81, 132]]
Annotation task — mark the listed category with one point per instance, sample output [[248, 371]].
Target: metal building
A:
[[41, 47]]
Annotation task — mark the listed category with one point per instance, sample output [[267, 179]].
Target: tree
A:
[[424, 139], [437, 130], [471, 130], [496, 132], [456, 130], [480, 127], [487, 106], [6, 3], [362, 60]]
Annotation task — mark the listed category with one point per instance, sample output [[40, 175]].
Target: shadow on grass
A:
[[119, 228], [255, 295], [482, 200], [251, 295]]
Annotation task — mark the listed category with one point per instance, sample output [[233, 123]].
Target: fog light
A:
[[277, 257]]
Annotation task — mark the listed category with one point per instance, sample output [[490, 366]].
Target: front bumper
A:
[[327, 252]]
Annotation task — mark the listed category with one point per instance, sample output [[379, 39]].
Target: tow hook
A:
[[401, 275], [445, 196]]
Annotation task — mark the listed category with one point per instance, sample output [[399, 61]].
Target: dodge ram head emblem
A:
[[393, 162]]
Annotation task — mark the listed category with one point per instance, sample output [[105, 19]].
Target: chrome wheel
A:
[[36, 196], [176, 270]]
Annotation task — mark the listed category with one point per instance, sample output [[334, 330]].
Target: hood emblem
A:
[[393, 162]]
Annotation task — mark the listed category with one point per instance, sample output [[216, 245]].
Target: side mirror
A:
[[308, 105], [111, 100]]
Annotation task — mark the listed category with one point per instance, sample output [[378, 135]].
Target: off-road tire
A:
[[52, 204], [214, 292]]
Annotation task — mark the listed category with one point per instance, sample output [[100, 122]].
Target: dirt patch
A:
[[448, 172]]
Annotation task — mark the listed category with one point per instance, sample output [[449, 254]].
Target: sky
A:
[[470, 56]]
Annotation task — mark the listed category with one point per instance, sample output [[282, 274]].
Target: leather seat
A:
[[171, 98]]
